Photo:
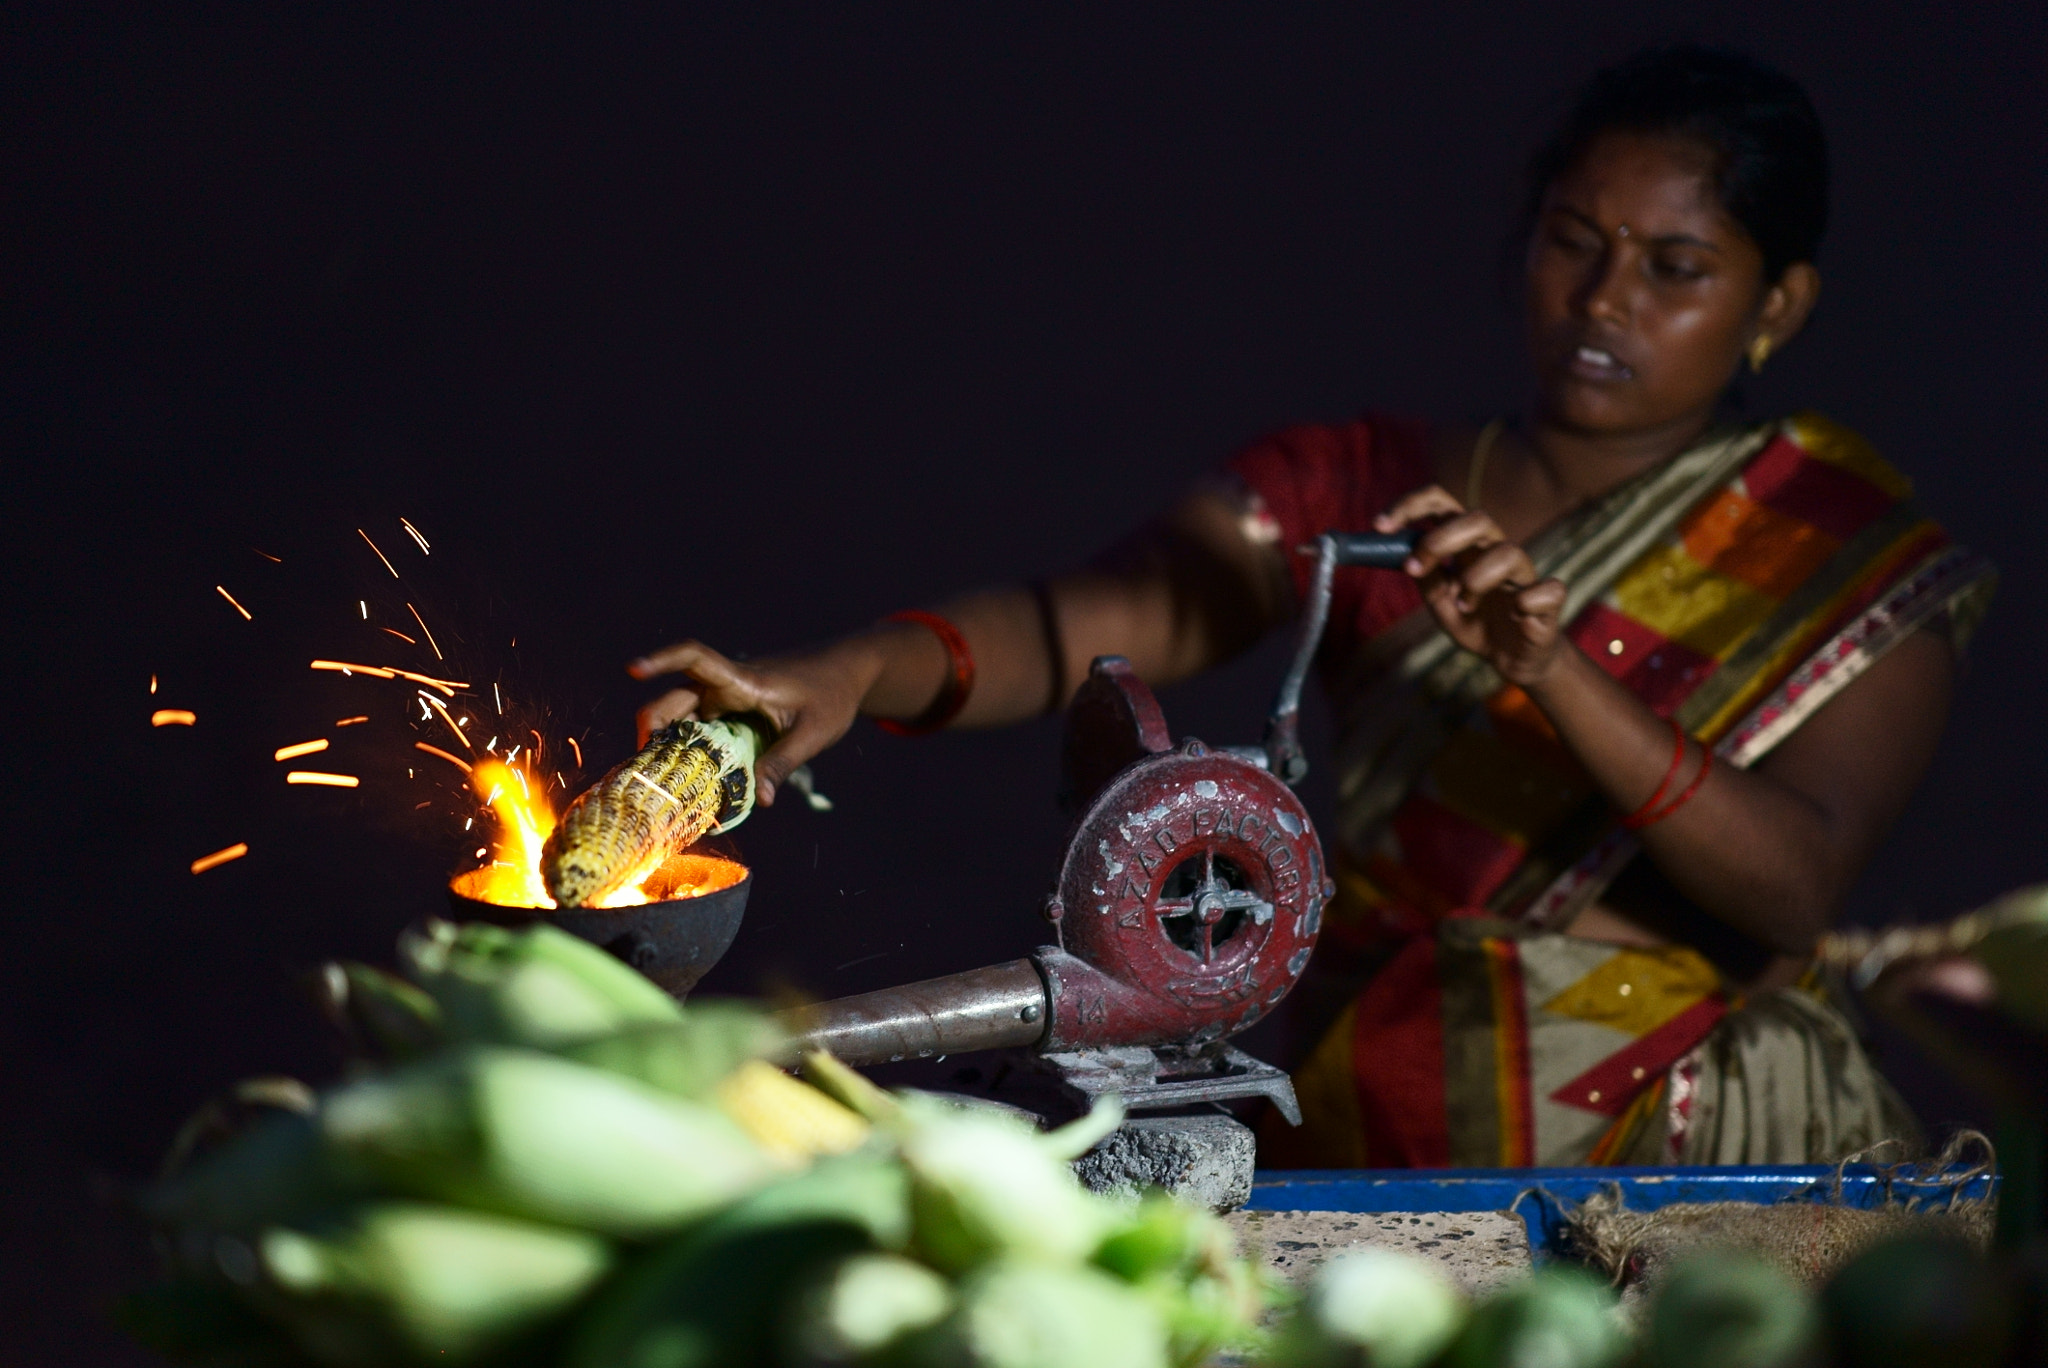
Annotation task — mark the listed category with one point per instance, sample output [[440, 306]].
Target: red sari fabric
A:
[[1316, 479], [1484, 1039]]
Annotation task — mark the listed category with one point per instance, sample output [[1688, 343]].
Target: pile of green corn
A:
[[542, 1159], [539, 1158]]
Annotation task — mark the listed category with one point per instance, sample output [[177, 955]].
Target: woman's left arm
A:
[[1769, 851]]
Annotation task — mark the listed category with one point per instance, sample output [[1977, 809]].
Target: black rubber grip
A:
[[1382, 550]]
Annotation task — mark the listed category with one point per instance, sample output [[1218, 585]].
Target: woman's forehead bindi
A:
[[1660, 186]]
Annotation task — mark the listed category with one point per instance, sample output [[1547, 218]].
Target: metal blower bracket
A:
[[1152, 1079]]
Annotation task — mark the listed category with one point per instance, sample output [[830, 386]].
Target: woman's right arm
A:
[[1187, 591]]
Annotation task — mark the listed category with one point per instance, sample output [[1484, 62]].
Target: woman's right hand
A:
[[812, 699], [1482, 587]]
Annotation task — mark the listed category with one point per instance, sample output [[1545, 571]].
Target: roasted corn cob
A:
[[691, 779]]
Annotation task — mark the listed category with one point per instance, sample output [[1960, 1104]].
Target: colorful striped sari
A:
[[1735, 590]]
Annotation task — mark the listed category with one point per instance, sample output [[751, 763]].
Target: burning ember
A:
[[510, 779], [525, 817]]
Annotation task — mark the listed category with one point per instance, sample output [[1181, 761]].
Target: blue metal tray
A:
[[1540, 1195]]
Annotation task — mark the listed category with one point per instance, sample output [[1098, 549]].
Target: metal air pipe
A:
[[999, 1007]]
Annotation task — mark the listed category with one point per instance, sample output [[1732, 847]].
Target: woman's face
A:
[[1643, 294]]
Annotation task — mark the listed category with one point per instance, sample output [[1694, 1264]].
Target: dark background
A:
[[753, 323]]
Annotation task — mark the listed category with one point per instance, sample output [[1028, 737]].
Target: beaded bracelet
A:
[[959, 678]]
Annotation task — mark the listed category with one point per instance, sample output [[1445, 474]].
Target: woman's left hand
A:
[[1481, 586]]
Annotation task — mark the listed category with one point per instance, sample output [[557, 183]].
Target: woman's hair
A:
[[1770, 159]]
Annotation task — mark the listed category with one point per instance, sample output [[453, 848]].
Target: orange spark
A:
[[220, 857], [374, 671], [315, 777], [172, 717], [303, 748], [658, 789], [246, 616], [400, 635], [152, 683], [267, 556], [414, 533], [579, 752], [424, 628], [351, 721], [446, 686], [380, 555], [453, 725], [454, 760]]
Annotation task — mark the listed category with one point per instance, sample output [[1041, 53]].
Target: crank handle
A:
[[1378, 550]]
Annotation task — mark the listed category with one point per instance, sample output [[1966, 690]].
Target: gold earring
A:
[[1759, 352]]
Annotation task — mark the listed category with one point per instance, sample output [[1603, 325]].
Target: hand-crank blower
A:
[[1188, 902]]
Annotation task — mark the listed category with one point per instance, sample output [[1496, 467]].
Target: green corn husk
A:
[[718, 1294], [1016, 1314], [1162, 1235], [863, 1304], [689, 1058], [1728, 1309], [526, 1134], [983, 1183], [1374, 1308], [1159, 1237], [1069, 1142], [1559, 1318], [1186, 1262], [866, 1189], [535, 986], [985, 1186], [275, 1171], [403, 1282], [381, 1013], [852, 1090]]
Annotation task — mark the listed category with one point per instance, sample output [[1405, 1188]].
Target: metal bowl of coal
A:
[[692, 912]]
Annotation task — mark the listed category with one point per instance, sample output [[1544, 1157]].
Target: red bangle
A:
[[1649, 814], [959, 678], [1641, 816], [1685, 795]]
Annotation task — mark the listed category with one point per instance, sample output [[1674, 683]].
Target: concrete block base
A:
[[1206, 1160]]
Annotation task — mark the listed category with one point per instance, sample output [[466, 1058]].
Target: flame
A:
[[524, 821], [525, 817]]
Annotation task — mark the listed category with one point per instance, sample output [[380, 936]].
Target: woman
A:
[[1631, 628]]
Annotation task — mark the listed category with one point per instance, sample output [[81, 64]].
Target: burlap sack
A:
[[1808, 1240]]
